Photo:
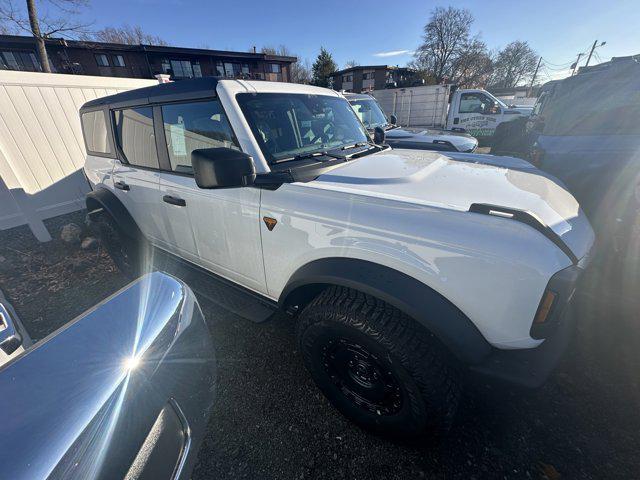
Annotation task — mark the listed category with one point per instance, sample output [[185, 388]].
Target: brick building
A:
[[374, 77], [140, 61]]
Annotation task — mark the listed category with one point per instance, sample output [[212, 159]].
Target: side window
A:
[[477, 103], [471, 103], [134, 133], [94, 128], [189, 126]]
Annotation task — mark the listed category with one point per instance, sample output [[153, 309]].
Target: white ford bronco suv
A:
[[405, 269]]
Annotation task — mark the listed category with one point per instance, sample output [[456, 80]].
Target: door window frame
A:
[[162, 151], [118, 149], [161, 140]]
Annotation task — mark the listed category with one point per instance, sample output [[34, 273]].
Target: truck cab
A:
[[479, 113]]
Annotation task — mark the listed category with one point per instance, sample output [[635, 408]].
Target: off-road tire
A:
[[127, 253], [406, 354]]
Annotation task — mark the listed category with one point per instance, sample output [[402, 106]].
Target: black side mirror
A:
[[222, 168], [393, 119], [378, 135]]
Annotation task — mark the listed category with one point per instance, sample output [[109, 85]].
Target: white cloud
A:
[[393, 53]]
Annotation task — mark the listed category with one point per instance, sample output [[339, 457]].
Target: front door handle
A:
[[181, 202], [122, 186], [10, 338]]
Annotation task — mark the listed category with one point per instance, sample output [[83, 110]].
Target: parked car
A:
[[403, 268], [123, 391], [474, 111], [372, 116]]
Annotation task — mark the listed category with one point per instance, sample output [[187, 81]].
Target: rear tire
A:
[[127, 253], [376, 365]]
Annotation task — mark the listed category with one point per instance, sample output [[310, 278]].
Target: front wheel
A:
[[377, 366]]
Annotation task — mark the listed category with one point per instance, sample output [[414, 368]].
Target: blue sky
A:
[[556, 29]]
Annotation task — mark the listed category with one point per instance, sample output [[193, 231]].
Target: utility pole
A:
[[575, 65], [535, 74], [591, 52]]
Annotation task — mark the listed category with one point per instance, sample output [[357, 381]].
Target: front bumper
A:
[[528, 367], [531, 367]]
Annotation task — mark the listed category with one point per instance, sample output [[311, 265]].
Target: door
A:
[[136, 175], [220, 228], [477, 113]]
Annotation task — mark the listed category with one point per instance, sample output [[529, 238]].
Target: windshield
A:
[[291, 125], [501, 103], [369, 113]]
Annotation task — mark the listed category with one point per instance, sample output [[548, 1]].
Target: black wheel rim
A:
[[361, 376]]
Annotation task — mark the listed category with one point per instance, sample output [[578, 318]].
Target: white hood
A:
[[431, 178]]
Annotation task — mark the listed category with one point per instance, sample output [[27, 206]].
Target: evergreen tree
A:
[[322, 68]]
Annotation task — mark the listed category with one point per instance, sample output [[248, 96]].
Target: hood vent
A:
[[528, 218]]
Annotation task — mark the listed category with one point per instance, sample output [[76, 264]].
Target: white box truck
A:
[[474, 111]]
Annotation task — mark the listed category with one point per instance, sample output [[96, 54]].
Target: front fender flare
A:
[[412, 297]]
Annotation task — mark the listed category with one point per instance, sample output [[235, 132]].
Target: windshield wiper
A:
[[305, 156], [348, 156], [330, 153], [354, 145]]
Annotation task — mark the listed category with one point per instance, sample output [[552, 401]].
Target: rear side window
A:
[[134, 133], [189, 126], [94, 128]]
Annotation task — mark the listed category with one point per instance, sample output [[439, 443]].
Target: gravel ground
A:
[[270, 421]]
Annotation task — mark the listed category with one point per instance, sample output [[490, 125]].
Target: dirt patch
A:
[[51, 283]]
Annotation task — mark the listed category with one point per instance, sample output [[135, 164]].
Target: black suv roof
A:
[[165, 92]]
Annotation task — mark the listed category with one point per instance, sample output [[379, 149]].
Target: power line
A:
[[547, 62], [559, 69]]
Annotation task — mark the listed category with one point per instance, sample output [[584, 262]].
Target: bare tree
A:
[[127, 35], [271, 50], [446, 38], [351, 64], [6, 29], [58, 18], [514, 65], [473, 67], [299, 71]]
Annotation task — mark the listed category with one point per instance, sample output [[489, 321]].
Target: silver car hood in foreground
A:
[[435, 179], [463, 142], [123, 391]]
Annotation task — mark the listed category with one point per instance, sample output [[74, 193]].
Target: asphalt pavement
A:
[[270, 420]]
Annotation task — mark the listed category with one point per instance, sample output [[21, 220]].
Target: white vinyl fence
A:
[[424, 106], [41, 145]]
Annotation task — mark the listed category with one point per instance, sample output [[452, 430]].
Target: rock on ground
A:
[[70, 233], [89, 243]]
